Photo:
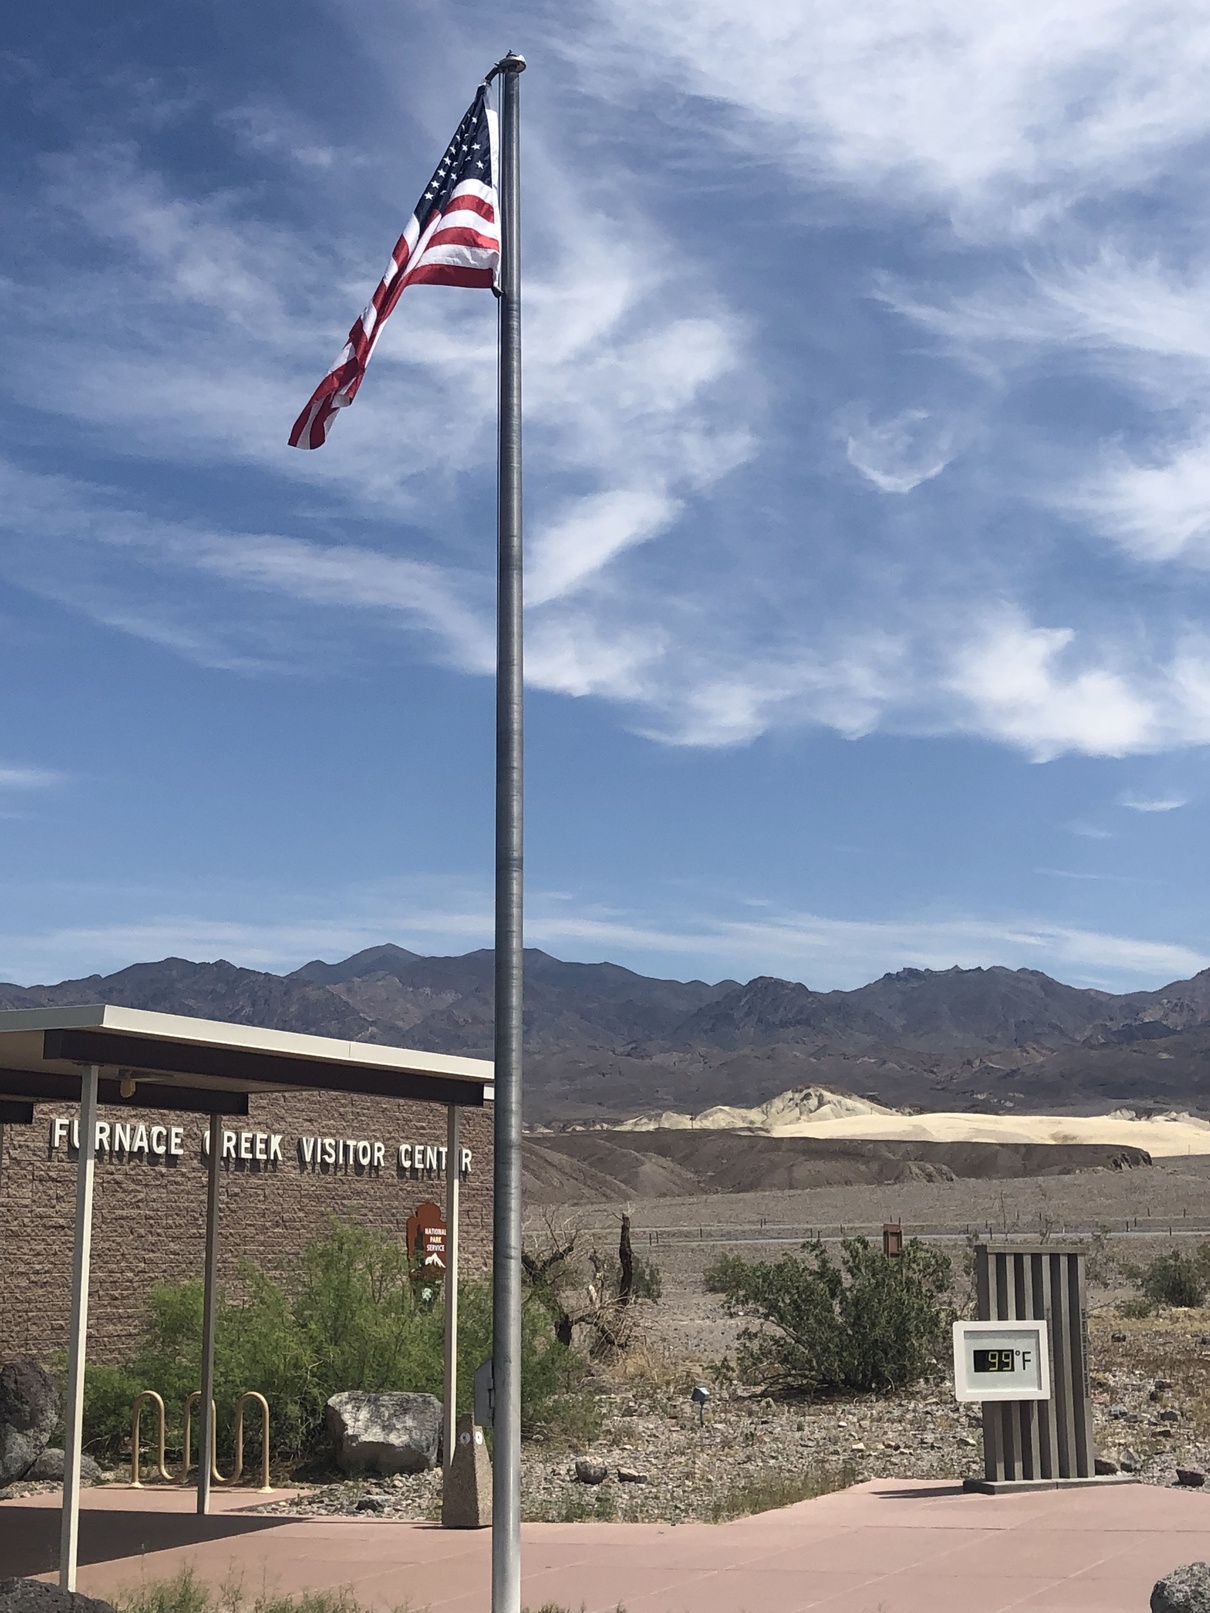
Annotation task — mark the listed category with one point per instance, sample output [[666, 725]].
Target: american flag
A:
[[452, 239]]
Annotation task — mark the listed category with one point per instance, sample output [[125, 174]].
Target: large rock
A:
[[29, 1410], [384, 1433], [1185, 1590], [49, 1467], [32, 1596]]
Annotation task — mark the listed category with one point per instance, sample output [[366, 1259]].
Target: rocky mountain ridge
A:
[[606, 1042]]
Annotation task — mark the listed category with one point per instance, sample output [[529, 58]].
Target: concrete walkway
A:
[[890, 1546]]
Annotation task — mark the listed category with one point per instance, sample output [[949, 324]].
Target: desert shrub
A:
[[572, 1419], [767, 1492], [1177, 1278], [867, 1323], [1135, 1308], [646, 1281], [185, 1593], [347, 1316], [583, 1290]]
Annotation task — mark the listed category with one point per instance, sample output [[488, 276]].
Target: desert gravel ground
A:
[[1150, 1377], [749, 1448], [1151, 1400]]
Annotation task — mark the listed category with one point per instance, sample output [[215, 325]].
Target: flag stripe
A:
[[451, 239], [449, 274]]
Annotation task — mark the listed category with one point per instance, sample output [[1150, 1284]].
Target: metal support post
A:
[[453, 1182], [506, 1218], [3, 1352], [206, 1429], [86, 1159]]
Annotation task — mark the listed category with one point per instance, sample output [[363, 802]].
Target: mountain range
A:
[[604, 1043]]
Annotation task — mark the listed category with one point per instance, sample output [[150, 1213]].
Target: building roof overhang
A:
[[210, 1066]]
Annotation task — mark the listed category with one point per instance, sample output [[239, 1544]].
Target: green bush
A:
[[347, 1316], [867, 1323], [1176, 1278], [1135, 1308]]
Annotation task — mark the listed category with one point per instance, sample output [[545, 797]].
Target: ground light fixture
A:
[[699, 1398]]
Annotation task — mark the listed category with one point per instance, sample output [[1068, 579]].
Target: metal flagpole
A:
[[506, 1218], [206, 1453], [453, 1184], [81, 1259]]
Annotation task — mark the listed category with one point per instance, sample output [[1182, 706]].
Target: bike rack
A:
[[136, 1414], [252, 1394], [186, 1465]]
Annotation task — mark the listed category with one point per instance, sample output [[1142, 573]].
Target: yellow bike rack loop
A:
[[187, 1465]]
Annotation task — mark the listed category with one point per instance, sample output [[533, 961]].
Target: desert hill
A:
[[607, 1043], [827, 1116], [603, 1166]]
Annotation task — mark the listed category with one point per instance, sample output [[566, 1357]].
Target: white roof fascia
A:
[[248, 1038]]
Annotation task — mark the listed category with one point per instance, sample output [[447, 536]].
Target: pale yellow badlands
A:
[[817, 1112], [1176, 1134]]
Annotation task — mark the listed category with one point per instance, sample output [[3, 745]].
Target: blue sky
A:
[[868, 488]]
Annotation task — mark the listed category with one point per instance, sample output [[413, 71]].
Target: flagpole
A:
[[509, 940]]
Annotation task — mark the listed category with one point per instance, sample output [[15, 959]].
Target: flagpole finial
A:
[[509, 63]]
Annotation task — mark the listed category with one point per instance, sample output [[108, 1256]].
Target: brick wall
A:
[[149, 1215]]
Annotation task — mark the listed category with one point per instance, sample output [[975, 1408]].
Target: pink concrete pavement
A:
[[890, 1546]]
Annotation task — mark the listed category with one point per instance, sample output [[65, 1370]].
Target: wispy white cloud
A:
[[1095, 879], [28, 778], [678, 666], [998, 114], [898, 454], [1156, 804], [1157, 511], [276, 130], [1022, 682], [446, 915], [709, 616]]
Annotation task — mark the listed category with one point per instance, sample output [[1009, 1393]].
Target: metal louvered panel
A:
[[1039, 1440]]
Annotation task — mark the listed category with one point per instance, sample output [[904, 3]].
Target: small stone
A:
[[967, 1441], [1104, 1467], [628, 1475], [1129, 1461], [1184, 1590], [1119, 1412], [371, 1503], [1117, 1338], [1191, 1477], [590, 1472], [857, 1447], [1163, 1385], [1171, 1415]]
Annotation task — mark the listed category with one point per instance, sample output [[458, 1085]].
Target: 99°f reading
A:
[[1001, 1360]]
